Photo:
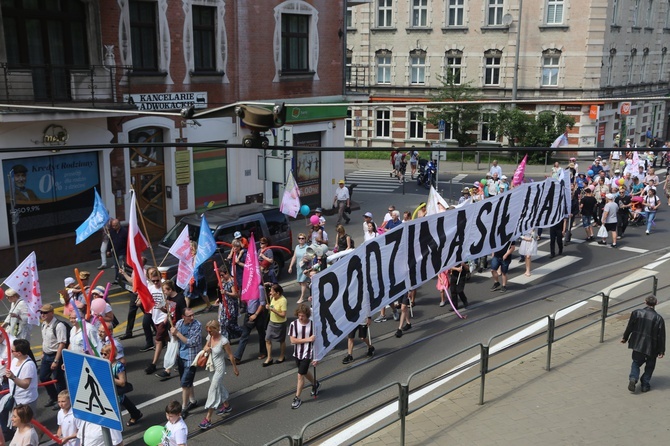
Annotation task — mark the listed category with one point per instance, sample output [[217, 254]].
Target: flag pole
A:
[[144, 226]]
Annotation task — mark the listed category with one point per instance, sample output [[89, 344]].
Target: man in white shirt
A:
[[495, 169], [342, 201]]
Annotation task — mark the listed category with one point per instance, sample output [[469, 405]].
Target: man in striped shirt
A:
[[302, 337]]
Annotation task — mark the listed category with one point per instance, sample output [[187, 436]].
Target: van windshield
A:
[[168, 240]]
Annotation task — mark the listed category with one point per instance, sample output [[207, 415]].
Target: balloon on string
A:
[[590, 173], [98, 306], [482, 181], [304, 210], [622, 182], [153, 435], [314, 220]]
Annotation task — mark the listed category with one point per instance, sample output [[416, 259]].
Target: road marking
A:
[[541, 271], [458, 178]]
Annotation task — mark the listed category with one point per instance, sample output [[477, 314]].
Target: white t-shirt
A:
[[77, 338], [157, 315], [175, 434], [90, 434], [68, 426], [29, 370]]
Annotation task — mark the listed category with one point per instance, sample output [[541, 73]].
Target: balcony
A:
[[356, 79], [54, 84]]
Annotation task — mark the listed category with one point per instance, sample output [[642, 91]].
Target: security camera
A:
[[187, 112]]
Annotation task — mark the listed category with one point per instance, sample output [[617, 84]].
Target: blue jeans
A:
[[259, 324], [638, 360], [46, 373], [650, 216]]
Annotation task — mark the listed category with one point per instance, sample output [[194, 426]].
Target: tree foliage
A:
[[463, 118]]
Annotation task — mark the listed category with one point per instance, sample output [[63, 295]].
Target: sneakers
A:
[[496, 286], [396, 316], [602, 242], [151, 368], [315, 388], [381, 319], [442, 304], [348, 359], [224, 410], [296, 403], [371, 351], [205, 424], [407, 327], [191, 405], [646, 232], [645, 389], [147, 348], [102, 267], [398, 333], [51, 403], [163, 375], [631, 385], [503, 289]]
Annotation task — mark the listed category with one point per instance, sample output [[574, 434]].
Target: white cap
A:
[[237, 234], [504, 177], [367, 214], [69, 281]]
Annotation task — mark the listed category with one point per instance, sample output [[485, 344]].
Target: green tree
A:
[[513, 124], [462, 118]]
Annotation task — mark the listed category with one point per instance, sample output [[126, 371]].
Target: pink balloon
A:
[[98, 306], [314, 220]]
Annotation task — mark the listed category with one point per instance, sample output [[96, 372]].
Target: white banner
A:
[[383, 268]]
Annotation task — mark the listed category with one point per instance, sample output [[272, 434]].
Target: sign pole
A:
[[107, 436], [14, 213]]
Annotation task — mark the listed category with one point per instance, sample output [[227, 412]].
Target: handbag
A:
[[602, 232], [127, 388], [9, 401], [201, 360]]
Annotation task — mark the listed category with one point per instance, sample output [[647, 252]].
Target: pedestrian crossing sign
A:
[[92, 390]]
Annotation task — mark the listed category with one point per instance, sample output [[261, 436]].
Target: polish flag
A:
[[136, 246]]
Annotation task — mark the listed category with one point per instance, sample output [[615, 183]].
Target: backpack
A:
[[68, 328]]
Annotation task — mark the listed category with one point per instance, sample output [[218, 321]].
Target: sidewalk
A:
[[583, 400]]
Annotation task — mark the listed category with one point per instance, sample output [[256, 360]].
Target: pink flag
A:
[[519, 172], [25, 281], [251, 278], [181, 249], [136, 246]]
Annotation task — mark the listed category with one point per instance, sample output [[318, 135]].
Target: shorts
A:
[[303, 365], [162, 332], [587, 221], [276, 332], [403, 300], [498, 262], [186, 372], [362, 332], [611, 227]]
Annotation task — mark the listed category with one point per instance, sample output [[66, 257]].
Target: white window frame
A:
[[297, 7], [555, 12], [485, 132], [492, 65], [419, 13], [550, 69], [384, 68], [416, 128], [417, 69], [349, 123], [349, 19], [454, 65], [494, 12], [449, 129], [383, 118], [455, 13], [384, 13]]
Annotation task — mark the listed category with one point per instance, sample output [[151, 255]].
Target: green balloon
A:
[[483, 181], [153, 435]]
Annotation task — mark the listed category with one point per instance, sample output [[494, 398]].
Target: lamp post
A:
[[515, 80]]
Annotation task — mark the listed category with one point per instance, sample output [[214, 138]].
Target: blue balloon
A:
[[304, 210], [590, 173]]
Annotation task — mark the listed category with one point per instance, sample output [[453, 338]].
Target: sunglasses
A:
[[301, 238]]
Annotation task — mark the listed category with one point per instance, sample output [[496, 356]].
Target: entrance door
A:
[[147, 176]]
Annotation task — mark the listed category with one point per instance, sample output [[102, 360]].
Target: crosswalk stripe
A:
[[542, 270], [458, 178], [373, 181]]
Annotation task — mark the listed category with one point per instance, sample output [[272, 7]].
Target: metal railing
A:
[[543, 335], [64, 83]]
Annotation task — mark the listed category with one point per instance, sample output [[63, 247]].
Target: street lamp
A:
[[507, 20]]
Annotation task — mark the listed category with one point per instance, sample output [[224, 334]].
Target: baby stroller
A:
[[427, 172]]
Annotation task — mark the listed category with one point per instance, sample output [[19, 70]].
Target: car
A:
[[259, 219]]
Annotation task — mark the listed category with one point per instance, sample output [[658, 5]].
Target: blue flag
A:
[[206, 244], [96, 221]]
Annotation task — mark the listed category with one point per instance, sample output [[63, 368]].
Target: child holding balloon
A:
[[175, 432]]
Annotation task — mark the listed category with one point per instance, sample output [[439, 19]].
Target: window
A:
[[492, 67], [610, 66], [667, 16], [495, 12], [615, 11], [349, 124], [419, 12], [416, 125], [417, 65], [550, 63], [204, 38], [661, 64], [384, 13], [383, 124], [636, 13], [295, 43], [384, 68], [450, 129], [631, 65], [645, 64], [454, 66], [350, 17], [487, 133], [143, 35], [650, 14], [347, 67], [455, 13], [555, 12]]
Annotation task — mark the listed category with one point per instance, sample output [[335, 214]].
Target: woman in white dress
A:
[[528, 248]]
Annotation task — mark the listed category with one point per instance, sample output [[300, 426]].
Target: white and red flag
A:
[[181, 249], [251, 278], [25, 281], [136, 246]]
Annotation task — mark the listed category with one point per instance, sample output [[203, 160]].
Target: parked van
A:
[[258, 219]]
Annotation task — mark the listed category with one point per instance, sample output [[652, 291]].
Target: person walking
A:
[[341, 200], [609, 220], [189, 333], [54, 341], [122, 385], [217, 395], [645, 334], [528, 248], [276, 330], [301, 334], [651, 204], [298, 254]]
